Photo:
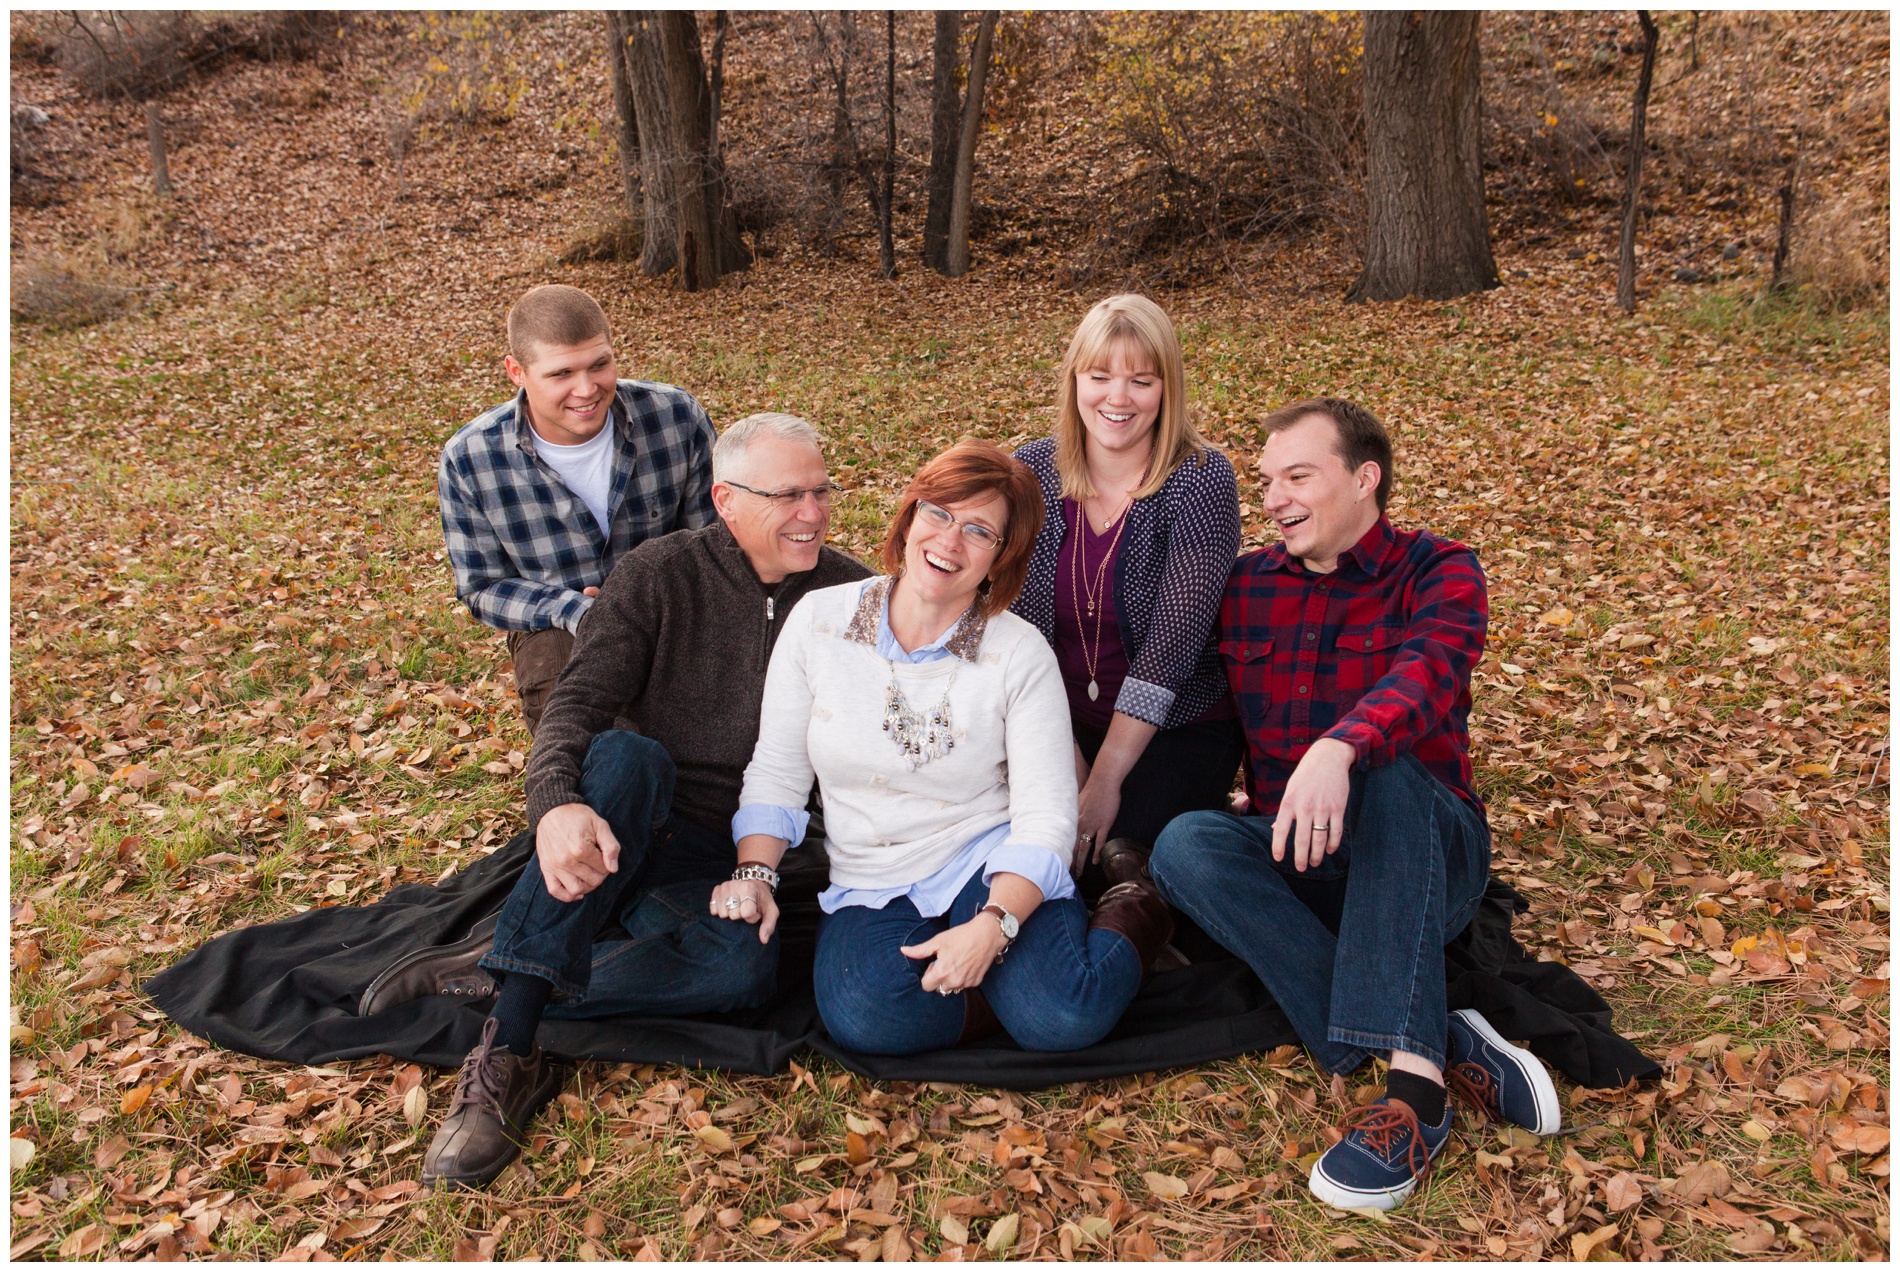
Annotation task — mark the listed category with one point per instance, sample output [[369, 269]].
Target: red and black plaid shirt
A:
[[1377, 654]]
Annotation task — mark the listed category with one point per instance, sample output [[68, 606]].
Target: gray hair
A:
[[729, 451]]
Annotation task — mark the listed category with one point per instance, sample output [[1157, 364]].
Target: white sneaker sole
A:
[[1543, 1090], [1336, 1194]]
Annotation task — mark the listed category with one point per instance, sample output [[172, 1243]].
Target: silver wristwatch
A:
[[763, 873], [1007, 922]]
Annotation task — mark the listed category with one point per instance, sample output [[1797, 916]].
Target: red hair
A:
[[970, 470]]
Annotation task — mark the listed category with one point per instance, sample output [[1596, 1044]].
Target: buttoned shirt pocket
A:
[[1249, 666], [1364, 652]]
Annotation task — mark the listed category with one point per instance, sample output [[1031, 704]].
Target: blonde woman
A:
[[1141, 526]]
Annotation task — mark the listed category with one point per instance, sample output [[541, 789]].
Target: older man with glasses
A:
[[632, 829]]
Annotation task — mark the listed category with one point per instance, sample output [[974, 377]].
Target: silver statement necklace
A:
[[921, 737]]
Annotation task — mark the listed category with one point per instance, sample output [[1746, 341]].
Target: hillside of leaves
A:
[[241, 687]]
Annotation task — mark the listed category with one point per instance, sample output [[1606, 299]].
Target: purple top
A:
[[1078, 638]]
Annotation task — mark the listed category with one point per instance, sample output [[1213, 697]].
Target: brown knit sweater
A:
[[676, 642]]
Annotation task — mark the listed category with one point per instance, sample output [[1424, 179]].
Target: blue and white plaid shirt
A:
[[523, 545]]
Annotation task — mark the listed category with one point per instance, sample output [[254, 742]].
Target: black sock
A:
[[1426, 1097], [518, 1009]]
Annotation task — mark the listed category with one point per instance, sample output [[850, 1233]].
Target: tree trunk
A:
[[1426, 233], [957, 249], [1633, 188], [945, 62], [842, 136], [659, 162], [688, 224], [696, 195], [886, 243], [155, 138], [627, 134], [721, 23], [1784, 232]]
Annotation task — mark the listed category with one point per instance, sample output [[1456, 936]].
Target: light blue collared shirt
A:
[[991, 851]]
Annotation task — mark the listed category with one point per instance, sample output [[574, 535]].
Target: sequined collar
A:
[[863, 627]]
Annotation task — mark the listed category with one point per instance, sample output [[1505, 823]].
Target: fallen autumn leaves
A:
[[241, 687]]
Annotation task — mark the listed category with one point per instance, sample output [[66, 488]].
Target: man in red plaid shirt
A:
[[1349, 648]]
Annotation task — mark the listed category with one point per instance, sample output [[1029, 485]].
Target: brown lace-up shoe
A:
[[1135, 909], [436, 969], [1125, 861], [498, 1095]]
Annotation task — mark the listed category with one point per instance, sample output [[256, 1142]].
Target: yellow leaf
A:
[[1168, 1187], [764, 1226], [135, 1099], [1003, 1233], [20, 1152], [862, 1125], [1756, 1131], [415, 1105], [1583, 1243], [954, 1230], [1654, 934], [714, 1138]]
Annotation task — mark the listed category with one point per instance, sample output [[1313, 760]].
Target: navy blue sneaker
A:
[[1385, 1153], [1506, 1083]]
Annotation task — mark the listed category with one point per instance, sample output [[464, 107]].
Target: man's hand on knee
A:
[[1312, 815], [577, 851]]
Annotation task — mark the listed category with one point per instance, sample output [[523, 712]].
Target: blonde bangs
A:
[[1137, 325]]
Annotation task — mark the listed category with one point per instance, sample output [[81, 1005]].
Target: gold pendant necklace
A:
[[1092, 592]]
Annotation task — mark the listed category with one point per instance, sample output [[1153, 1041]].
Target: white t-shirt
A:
[[587, 470]]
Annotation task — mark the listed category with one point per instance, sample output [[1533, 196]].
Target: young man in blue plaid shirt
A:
[[541, 495]]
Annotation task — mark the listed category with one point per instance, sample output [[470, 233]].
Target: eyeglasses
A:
[[979, 536], [788, 498]]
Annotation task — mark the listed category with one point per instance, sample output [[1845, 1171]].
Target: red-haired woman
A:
[[934, 721]]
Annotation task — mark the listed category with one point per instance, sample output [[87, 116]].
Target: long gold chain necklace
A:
[[1091, 590]]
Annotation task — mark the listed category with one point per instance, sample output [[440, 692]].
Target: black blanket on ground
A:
[[288, 991]]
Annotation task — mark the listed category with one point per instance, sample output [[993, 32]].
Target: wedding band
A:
[[732, 903], [1322, 828], [944, 992]]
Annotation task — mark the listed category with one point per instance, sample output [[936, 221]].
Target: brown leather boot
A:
[[1125, 861], [1135, 909], [979, 1018], [498, 1095], [436, 969]]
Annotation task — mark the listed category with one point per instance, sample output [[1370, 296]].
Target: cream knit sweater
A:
[[887, 827]]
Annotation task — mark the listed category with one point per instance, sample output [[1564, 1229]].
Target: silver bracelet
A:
[[762, 873]]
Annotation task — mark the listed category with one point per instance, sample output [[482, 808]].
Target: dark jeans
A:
[[644, 942], [1061, 985], [1183, 770], [1353, 950]]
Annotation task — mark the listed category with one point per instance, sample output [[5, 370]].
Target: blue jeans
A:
[[1353, 949], [1061, 986], [674, 957]]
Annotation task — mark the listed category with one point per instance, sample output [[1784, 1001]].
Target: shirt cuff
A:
[[1147, 703], [770, 819], [573, 611], [1038, 865], [1363, 739]]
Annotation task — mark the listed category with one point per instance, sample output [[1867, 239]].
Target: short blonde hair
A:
[[554, 314], [1138, 324]]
